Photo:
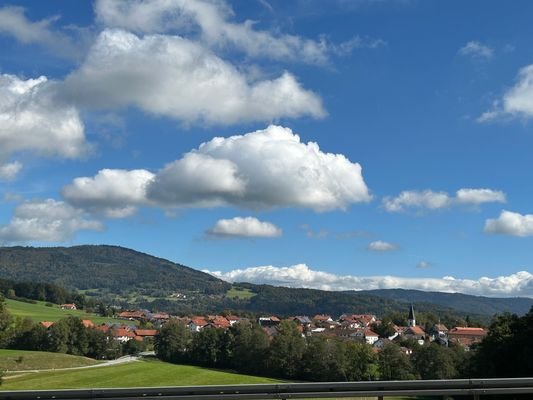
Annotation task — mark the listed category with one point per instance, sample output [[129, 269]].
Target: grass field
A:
[[134, 374], [40, 312], [20, 360], [240, 293]]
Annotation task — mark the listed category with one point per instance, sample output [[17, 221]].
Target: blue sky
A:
[[337, 145]]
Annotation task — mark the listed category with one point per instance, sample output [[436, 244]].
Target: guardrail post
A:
[[476, 396]]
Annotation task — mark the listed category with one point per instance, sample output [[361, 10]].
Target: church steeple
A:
[[411, 321]]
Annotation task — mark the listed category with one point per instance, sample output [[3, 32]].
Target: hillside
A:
[[104, 267], [463, 302], [132, 279], [39, 311]]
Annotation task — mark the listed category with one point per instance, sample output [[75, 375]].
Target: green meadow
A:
[[20, 360], [40, 312], [145, 373]]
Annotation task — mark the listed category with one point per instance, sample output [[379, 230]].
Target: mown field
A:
[[40, 312], [146, 373], [20, 360]]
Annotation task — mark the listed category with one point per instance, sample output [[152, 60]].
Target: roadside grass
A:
[[21, 360], [240, 293], [40, 312], [145, 373]]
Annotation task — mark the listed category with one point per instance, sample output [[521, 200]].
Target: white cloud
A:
[[479, 196], [268, 168], [516, 102], [511, 223], [263, 169], [518, 284], [382, 246], [175, 77], [211, 22], [519, 99], [31, 119], [45, 221], [476, 50], [114, 193], [423, 264], [13, 22], [9, 171], [427, 199], [247, 227], [430, 200]]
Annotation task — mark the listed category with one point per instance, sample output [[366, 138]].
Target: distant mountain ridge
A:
[[459, 301], [129, 277], [102, 266]]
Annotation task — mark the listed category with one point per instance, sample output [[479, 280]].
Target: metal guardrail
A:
[[381, 389]]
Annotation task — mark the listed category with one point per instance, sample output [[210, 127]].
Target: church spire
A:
[[411, 321]]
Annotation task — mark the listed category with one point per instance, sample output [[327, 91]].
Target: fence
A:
[[476, 388]]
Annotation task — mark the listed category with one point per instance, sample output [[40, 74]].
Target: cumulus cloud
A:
[[177, 78], [430, 200], [115, 193], [247, 227], [31, 119], [479, 196], [518, 284], [427, 199], [264, 169], [477, 50], [382, 246], [511, 223], [211, 23], [9, 171], [14, 22], [516, 102], [45, 221]]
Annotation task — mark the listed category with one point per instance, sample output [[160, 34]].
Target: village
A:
[[350, 327]]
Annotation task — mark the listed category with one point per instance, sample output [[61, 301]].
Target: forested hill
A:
[[458, 301], [110, 267]]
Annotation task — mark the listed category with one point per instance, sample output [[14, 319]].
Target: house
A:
[[218, 322], [466, 336], [233, 319], [371, 337], [141, 334], [196, 324], [302, 320], [46, 324], [438, 331], [70, 306], [160, 317], [416, 333], [133, 315], [322, 318], [87, 323], [269, 321], [122, 334]]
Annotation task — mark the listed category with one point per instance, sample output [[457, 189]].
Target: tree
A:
[[205, 347], [394, 364], [249, 348], [434, 361], [69, 336], [509, 335], [286, 350], [173, 342], [362, 362]]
